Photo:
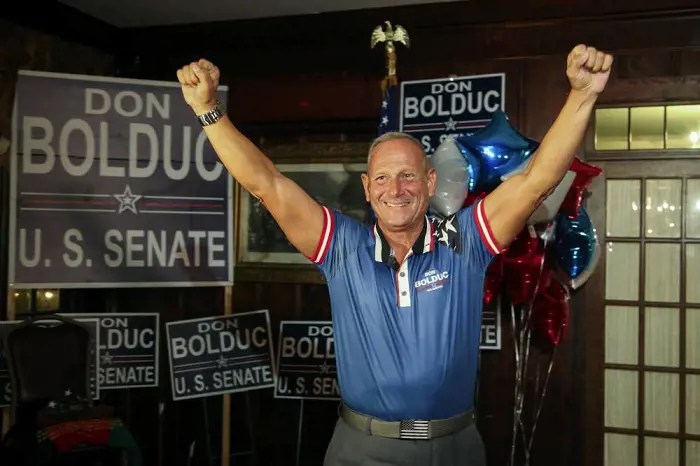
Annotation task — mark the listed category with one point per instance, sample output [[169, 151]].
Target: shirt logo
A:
[[432, 280]]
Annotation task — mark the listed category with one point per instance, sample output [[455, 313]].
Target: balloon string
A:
[[536, 391], [540, 403], [525, 361], [521, 346], [516, 387]]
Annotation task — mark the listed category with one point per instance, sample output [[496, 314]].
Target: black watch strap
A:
[[212, 116]]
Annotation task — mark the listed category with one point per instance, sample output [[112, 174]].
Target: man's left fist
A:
[[588, 69]]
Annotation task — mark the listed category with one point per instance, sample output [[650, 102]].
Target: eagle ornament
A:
[[389, 36]]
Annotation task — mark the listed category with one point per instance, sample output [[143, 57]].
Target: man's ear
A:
[[365, 184], [432, 179]]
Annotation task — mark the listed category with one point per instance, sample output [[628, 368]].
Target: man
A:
[[406, 308]]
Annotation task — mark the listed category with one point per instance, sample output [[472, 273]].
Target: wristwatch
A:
[[212, 116]]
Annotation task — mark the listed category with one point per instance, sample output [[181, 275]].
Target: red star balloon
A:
[[522, 267], [550, 314], [584, 176]]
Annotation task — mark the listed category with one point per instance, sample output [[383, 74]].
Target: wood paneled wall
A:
[[324, 61]]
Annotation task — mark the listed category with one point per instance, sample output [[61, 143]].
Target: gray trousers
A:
[[351, 447]]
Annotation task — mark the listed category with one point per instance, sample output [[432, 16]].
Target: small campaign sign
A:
[[5, 379], [219, 355], [433, 109], [490, 328], [128, 349], [306, 361], [114, 184]]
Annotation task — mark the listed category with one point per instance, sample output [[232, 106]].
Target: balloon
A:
[[550, 314], [584, 176], [493, 151], [547, 211], [546, 232], [576, 248], [452, 178], [522, 267], [493, 279]]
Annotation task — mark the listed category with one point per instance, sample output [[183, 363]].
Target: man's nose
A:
[[396, 187]]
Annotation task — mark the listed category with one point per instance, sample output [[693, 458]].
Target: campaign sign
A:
[[490, 328], [128, 349], [306, 361], [433, 109], [5, 380], [218, 355], [114, 184]]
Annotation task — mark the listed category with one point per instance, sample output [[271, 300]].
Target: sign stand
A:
[[7, 412], [226, 401], [207, 431], [161, 436], [253, 451], [301, 423]]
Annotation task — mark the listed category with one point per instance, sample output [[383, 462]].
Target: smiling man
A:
[[406, 308]]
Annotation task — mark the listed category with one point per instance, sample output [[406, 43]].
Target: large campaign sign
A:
[[434, 109], [114, 184], [94, 368], [128, 349], [219, 355], [306, 361]]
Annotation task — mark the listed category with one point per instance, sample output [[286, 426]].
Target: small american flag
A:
[[415, 430], [388, 113]]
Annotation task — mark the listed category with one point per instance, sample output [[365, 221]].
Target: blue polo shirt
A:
[[407, 334]]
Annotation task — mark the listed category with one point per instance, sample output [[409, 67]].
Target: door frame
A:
[[590, 310]]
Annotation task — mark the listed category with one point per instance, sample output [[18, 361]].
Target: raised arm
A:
[[298, 214], [509, 206]]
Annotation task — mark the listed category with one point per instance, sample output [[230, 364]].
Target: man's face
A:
[[398, 184]]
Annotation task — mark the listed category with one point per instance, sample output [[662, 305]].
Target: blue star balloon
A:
[[576, 248], [494, 151]]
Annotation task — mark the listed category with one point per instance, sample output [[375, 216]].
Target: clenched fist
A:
[[199, 81], [588, 69]]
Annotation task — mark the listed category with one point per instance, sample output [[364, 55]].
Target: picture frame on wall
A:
[[263, 252]]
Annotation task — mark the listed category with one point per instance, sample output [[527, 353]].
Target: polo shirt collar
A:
[[424, 244]]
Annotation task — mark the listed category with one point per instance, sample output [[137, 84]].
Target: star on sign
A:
[[127, 200], [106, 359], [385, 104], [385, 121], [68, 392], [325, 368], [450, 125], [52, 404], [221, 362]]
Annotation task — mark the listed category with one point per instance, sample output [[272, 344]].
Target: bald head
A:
[[395, 136]]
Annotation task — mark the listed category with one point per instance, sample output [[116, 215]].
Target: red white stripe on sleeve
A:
[[324, 242], [482, 224]]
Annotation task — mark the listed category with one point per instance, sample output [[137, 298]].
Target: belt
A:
[[411, 429]]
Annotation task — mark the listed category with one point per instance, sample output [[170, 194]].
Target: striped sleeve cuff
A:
[[324, 242], [482, 225]]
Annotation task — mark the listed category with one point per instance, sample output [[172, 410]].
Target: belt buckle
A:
[[414, 430]]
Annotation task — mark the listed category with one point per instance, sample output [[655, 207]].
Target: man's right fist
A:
[[199, 81]]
